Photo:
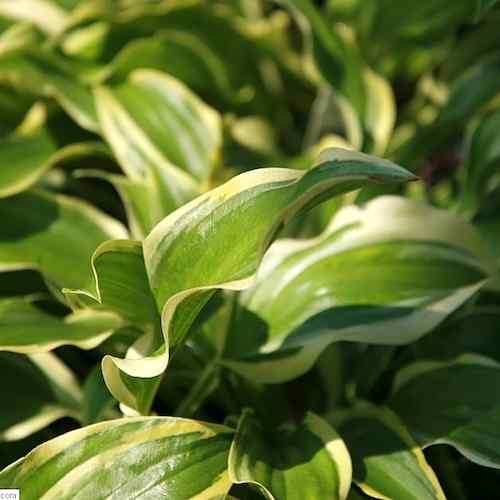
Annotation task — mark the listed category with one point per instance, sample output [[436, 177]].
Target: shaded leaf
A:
[[54, 234], [43, 73], [475, 331], [25, 159], [52, 389], [97, 401], [336, 61], [482, 162], [453, 403], [387, 463], [308, 460]]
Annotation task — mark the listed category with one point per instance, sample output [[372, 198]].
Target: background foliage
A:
[[151, 153]]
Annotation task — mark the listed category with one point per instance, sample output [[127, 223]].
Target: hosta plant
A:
[[249, 249]]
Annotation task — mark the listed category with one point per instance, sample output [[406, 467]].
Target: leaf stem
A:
[[199, 392]]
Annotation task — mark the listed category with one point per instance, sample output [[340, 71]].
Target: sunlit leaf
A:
[[377, 275], [187, 256], [154, 457], [26, 328], [45, 14], [122, 283], [162, 135]]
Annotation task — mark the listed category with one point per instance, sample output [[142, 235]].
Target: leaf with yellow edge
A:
[[54, 234], [384, 274], [161, 134], [122, 284], [387, 463], [217, 242], [153, 457], [309, 460], [26, 328]]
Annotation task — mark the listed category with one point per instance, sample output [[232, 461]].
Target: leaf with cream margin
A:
[[182, 54], [51, 391], [440, 225], [150, 457], [380, 115], [188, 258], [454, 403], [122, 283], [161, 134], [122, 286], [43, 73], [387, 463], [26, 158], [54, 234], [385, 274], [46, 15], [25, 328], [309, 460], [18, 37]]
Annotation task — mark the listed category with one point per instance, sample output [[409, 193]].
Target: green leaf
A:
[[460, 335], [377, 275], [154, 457], [187, 255], [54, 234], [122, 283], [468, 94], [181, 54], [26, 328], [387, 463], [482, 162], [482, 7], [142, 206], [44, 14], [380, 116], [471, 48], [26, 158], [18, 37], [473, 90], [37, 390], [337, 62], [453, 403], [97, 400], [43, 73], [88, 42], [161, 134], [309, 460], [424, 20]]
